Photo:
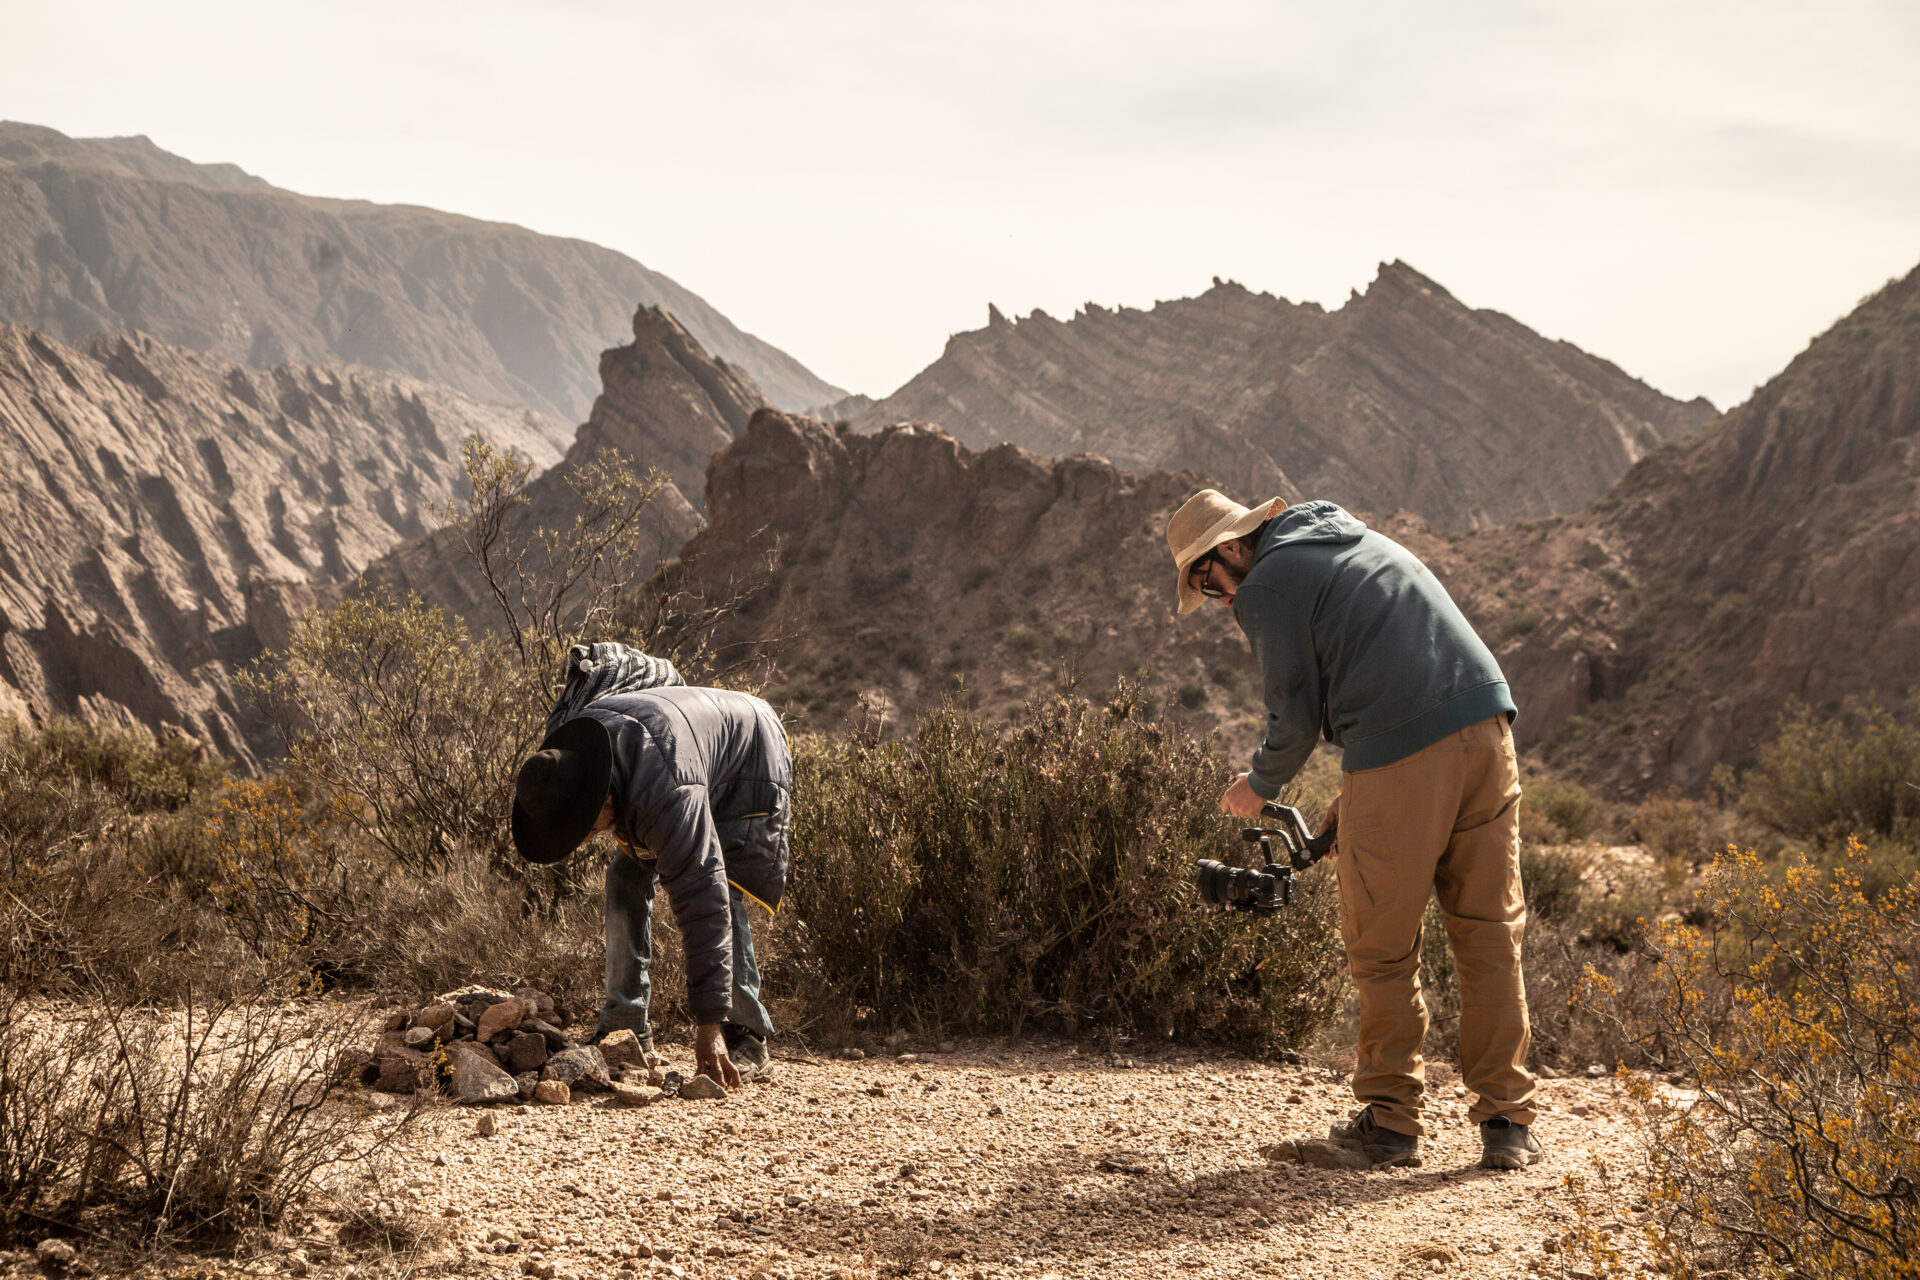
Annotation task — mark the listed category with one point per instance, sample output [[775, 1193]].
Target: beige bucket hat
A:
[[1202, 523]]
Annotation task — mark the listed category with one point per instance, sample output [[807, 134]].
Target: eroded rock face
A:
[[1403, 398], [905, 562], [115, 234], [1772, 557], [164, 515]]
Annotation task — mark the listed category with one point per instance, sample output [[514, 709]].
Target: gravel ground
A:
[[991, 1161]]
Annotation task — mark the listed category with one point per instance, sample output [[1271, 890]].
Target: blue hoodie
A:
[[1358, 641]]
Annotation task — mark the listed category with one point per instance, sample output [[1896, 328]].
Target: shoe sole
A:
[[1396, 1160], [1508, 1159]]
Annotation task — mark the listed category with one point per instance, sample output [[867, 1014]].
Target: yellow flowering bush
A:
[[1787, 1142]]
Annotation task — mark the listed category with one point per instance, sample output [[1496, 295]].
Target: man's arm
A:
[[1279, 627], [683, 837]]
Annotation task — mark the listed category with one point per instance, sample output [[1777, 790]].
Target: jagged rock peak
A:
[[1402, 399]]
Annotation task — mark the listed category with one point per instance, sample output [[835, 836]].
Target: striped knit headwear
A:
[[601, 670]]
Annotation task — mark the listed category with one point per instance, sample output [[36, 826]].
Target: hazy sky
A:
[[1692, 190]]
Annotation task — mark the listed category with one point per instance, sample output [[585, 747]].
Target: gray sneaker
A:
[[748, 1051], [1385, 1147], [1505, 1144]]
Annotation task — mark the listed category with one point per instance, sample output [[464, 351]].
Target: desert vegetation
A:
[[170, 1070]]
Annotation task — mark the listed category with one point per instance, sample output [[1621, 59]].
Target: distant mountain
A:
[[164, 514], [1774, 556], [114, 234], [1403, 398]]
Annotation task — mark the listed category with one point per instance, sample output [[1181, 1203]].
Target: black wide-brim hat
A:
[[561, 790]]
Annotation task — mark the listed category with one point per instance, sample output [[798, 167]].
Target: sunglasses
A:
[[1204, 567]]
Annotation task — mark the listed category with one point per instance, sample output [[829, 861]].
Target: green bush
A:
[[1569, 808], [1827, 778], [986, 878]]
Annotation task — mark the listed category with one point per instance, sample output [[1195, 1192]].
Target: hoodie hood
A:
[[1317, 521]]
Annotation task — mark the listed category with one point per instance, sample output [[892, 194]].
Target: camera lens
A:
[[1223, 885]]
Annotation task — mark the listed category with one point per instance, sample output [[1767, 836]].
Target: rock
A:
[[54, 1252], [703, 1088], [396, 1020], [463, 1025], [1287, 1152], [552, 1093], [474, 1075], [581, 1068], [1546, 1072], [556, 1038], [538, 1003], [486, 1126], [526, 1080], [1324, 1154], [420, 1037], [634, 1095], [852, 1054], [401, 1070], [438, 1015], [622, 1048], [497, 1018], [525, 1051], [1595, 1070]]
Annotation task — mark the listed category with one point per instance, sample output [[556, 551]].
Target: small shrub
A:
[[1568, 809], [1024, 641], [1552, 880], [171, 1128], [1827, 779], [1676, 829], [1230, 678], [1192, 693]]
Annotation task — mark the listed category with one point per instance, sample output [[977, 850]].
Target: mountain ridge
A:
[[118, 235], [1401, 398]]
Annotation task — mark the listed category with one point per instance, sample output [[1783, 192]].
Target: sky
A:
[[1691, 190]]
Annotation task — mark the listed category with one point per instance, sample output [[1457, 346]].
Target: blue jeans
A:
[[630, 886]]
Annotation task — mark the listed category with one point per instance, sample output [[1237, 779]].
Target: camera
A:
[[1268, 888]]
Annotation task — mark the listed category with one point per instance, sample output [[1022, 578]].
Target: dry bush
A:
[[153, 1127], [1678, 830], [984, 877], [1558, 810], [83, 812], [1795, 1015], [1828, 779]]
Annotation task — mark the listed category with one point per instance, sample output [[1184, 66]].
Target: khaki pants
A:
[[1445, 820]]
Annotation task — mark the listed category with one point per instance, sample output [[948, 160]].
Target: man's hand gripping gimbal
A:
[[1271, 887]]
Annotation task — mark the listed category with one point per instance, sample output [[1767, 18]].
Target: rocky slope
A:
[[908, 566], [1403, 398], [115, 234], [1776, 556], [666, 403], [164, 512]]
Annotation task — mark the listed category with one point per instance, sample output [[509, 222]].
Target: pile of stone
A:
[[479, 1045]]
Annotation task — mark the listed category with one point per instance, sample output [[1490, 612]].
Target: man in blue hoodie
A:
[[1358, 643]]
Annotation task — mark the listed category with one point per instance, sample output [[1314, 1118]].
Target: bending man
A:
[[694, 784]]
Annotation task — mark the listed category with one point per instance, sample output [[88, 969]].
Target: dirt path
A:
[[992, 1162]]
